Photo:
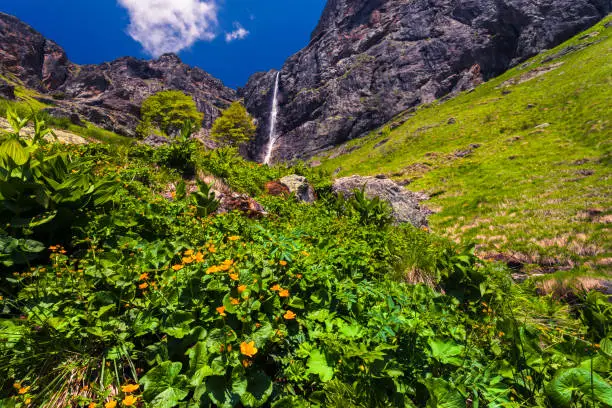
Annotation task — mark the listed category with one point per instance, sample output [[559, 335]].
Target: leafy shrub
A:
[[168, 111], [234, 127]]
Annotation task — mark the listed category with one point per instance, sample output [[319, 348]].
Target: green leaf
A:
[[443, 395], [13, 149], [317, 364], [568, 385], [446, 351], [164, 387]]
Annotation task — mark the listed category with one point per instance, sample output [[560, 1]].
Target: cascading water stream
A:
[[272, 137]]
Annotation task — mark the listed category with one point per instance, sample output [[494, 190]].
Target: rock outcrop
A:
[[109, 94], [404, 203], [299, 186], [369, 60]]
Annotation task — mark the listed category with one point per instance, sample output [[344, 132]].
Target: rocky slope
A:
[[109, 94], [368, 60]]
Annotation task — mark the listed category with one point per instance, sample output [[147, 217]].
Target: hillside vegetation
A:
[[520, 165]]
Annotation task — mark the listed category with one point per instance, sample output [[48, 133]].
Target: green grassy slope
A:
[[537, 190]]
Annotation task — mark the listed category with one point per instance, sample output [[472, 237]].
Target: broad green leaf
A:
[[443, 395], [13, 149], [573, 384], [317, 364], [164, 387], [446, 351]]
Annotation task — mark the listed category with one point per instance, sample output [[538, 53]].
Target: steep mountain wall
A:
[[368, 60], [109, 94]]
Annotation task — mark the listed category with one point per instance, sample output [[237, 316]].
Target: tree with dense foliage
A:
[[167, 111], [234, 127]]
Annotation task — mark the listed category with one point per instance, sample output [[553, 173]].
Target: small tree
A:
[[168, 111], [234, 127]]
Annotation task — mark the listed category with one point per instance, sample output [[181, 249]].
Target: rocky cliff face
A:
[[369, 60], [109, 94]]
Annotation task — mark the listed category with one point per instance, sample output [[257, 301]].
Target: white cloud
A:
[[162, 26], [239, 33]]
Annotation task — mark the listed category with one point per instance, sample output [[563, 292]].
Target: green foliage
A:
[[167, 111], [234, 127], [180, 153], [204, 200]]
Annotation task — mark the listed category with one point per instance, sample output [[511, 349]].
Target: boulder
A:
[[299, 186], [7, 91], [404, 203]]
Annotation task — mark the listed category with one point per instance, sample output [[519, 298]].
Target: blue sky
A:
[[230, 39]]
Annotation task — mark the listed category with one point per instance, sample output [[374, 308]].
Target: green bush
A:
[[234, 127], [167, 111]]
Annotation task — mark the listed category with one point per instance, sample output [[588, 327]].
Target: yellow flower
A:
[[233, 276], [199, 257], [234, 301], [212, 269], [283, 263], [177, 267], [130, 400], [111, 404], [221, 310], [187, 260], [234, 238], [143, 286], [276, 288], [241, 288], [130, 388], [188, 252], [289, 315], [24, 390], [144, 276], [305, 253], [29, 401], [212, 249], [299, 276], [17, 385], [248, 349], [283, 293]]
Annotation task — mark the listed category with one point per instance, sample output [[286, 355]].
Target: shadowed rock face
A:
[[109, 94], [369, 60]]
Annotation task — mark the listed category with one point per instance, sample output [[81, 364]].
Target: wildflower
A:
[[17, 385], [212, 249], [187, 260], [1, 298], [276, 288], [144, 276], [177, 267], [241, 288], [130, 388], [29, 401], [501, 334], [212, 269], [234, 238], [283, 263], [361, 367], [305, 253], [233, 276], [188, 252], [130, 400], [143, 286], [24, 390], [92, 405], [283, 293], [234, 301], [289, 315], [229, 348], [199, 257], [246, 363], [248, 349], [221, 310], [299, 276]]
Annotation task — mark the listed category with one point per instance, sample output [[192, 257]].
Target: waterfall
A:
[[272, 137]]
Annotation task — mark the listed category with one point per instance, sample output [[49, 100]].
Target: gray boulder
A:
[[404, 204], [299, 186]]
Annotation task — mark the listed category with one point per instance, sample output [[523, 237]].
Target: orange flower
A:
[[212, 269], [177, 267], [234, 301], [143, 286], [241, 288], [24, 390], [130, 400], [289, 315], [130, 388], [199, 257], [92, 405], [234, 238], [283, 263], [248, 349], [188, 252], [17, 385], [233, 276], [144, 276], [276, 288], [221, 310], [283, 293], [187, 260], [212, 249], [299, 276], [246, 363]]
